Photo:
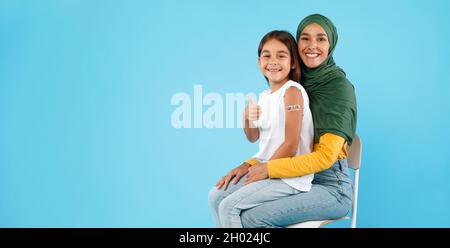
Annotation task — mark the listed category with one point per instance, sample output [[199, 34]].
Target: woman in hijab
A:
[[333, 107]]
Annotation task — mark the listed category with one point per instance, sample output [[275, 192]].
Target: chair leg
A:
[[355, 198]]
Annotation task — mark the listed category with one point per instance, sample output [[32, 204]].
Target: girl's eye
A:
[[322, 39], [304, 38]]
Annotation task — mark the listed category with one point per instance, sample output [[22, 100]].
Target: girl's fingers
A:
[[247, 177], [247, 180], [250, 100]]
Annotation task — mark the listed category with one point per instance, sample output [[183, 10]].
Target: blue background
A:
[[85, 117]]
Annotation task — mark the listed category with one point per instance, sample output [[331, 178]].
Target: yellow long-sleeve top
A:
[[330, 148]]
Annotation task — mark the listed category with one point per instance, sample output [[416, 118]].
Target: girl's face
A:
[[275, 61], [313, 45]]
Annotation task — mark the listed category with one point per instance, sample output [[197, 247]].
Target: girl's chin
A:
[[277, 80], [274, 81]]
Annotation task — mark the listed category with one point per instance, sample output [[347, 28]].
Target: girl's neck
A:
[[275, 86]]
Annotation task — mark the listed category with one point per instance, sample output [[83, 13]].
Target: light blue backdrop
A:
[[85, 116]]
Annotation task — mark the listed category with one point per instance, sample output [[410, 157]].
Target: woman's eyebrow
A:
[[319, 34]]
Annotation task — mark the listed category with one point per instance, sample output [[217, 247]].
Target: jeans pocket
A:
[[338, 180], [344, 182]]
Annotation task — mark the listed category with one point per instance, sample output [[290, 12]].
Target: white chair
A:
[[354, 162]]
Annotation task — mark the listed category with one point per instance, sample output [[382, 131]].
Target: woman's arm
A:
[[293, 124], [323, 157], [325, 153]]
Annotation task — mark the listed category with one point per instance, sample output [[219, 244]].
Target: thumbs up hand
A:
[[252, 112]]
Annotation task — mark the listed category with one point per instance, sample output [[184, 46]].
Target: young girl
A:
[[282, 122]]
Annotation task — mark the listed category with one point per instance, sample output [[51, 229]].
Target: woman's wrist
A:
[[245, 164]]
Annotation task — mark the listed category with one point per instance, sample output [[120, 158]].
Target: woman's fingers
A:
[[220, 183], [237, 177], [227, 181]]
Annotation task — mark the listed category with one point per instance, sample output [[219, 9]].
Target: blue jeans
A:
[[330, 197], [228, 205]]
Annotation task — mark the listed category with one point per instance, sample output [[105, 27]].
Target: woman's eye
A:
[[303, 38]]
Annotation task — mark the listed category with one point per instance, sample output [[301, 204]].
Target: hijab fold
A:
[[332, 96]]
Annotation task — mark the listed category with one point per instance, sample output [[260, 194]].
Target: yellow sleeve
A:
[[330, 148], [251, 161]]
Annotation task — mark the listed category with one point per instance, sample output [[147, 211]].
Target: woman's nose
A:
[[312, 45]]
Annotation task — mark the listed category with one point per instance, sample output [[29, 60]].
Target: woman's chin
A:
[[312, 64]]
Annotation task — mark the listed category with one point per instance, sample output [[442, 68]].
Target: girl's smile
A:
[[275, 62], [273, 69]]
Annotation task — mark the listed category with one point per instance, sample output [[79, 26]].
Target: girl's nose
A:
[[273, 61]]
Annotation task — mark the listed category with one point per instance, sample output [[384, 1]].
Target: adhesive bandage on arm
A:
[[295, 107]]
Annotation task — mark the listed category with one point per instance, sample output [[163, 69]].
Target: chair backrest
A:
[[354, 162], [354, 153]]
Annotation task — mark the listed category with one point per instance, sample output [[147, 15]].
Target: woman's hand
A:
[[257, 172], [236, 173]]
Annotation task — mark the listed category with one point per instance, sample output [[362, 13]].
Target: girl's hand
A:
[[257, 172], [252, 112], [236, 173]]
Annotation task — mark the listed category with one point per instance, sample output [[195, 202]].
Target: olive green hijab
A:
[[332, 96]]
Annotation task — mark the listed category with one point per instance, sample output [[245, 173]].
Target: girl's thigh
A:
[[316, 204], [258, 192]]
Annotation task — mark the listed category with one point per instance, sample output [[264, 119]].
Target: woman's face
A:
[[313, 45], [275, 61]]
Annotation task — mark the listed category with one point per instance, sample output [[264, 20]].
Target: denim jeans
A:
[[227, 206], [330, 197]]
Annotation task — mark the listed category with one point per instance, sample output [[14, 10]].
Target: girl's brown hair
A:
[[288, 40]]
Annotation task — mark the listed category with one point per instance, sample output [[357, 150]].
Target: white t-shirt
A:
[[271, 125]]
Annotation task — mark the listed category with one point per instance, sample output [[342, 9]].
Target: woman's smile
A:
[[312, 55], [313, 45]]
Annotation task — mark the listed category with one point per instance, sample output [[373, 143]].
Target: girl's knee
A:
[[215, 196], [225, 206]]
